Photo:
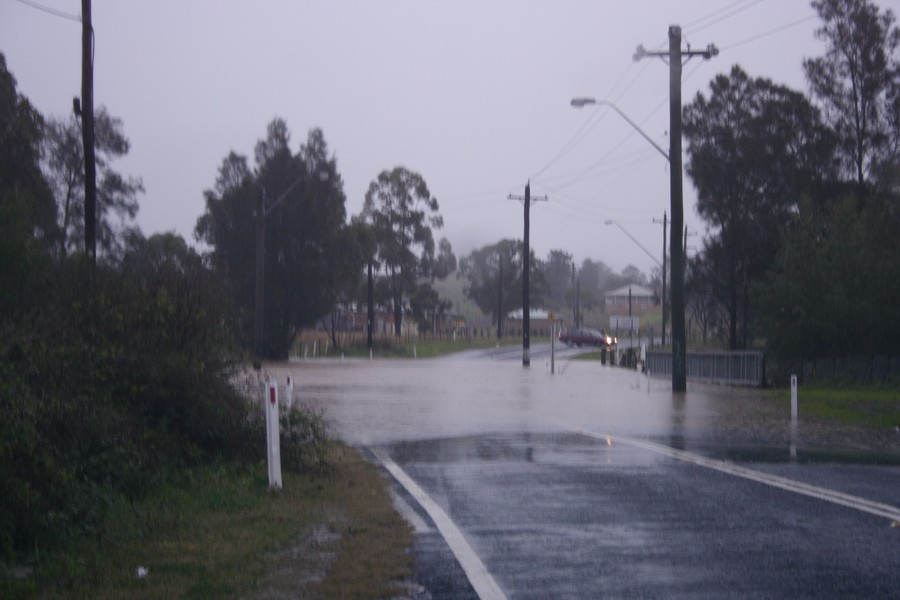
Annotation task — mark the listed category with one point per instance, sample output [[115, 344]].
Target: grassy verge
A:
[[425, 348], [856, 405], [221, 533]]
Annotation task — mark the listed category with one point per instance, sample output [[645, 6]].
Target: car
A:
[[582, 336]]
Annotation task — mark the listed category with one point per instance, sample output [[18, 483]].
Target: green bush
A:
[[107, 385]]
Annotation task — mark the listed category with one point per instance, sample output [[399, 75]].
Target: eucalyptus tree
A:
[[857, 84], [28, 228], [754, 150], [494, 275], [303, 232], [402, 213], [117, 195]]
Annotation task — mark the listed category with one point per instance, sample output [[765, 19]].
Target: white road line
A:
[[412, 517], [875, 508], [479, 577]]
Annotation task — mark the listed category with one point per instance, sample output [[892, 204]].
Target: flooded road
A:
[[597, 481]]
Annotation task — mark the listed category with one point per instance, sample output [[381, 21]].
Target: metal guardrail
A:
[[745, 368]]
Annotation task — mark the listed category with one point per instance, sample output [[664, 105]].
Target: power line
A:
[[51, 11], [715, 21], [770, 32]]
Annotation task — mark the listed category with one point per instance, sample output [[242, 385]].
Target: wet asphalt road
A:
[[599, 482]]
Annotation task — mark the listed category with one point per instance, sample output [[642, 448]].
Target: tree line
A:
[[800, 195]]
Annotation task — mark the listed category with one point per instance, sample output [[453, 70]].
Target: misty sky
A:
[[474, 95]]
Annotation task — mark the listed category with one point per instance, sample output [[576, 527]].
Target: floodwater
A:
[[385, 401], [495, 451]]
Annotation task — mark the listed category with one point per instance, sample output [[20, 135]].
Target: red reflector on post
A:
[[272, 394]]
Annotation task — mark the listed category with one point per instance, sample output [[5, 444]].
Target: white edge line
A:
[[479, 577], [875, 508], [406, 511]]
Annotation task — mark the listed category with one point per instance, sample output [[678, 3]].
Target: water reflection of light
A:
[[608, 441]]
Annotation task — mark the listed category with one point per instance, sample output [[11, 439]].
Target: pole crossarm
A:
[[581, 102]]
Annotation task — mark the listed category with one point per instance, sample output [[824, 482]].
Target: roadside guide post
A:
[[794, 411], [273, 441], [288, 393]]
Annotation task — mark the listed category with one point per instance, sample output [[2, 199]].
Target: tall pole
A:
[[526, 269], [679, 342], [370, 306], [500, 299], [675, 56], [578, 322], [526, 309], [87, 132]]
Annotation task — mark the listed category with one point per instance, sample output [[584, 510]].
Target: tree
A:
[[857, 84], [117, 202], [28, 227], [558, 275], [631, 274], [755, 149], [486, 288], [834, 289], [305, 202], [402, 213]]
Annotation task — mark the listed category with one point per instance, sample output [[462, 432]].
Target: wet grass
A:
[[425, 348], [855, 405], [220, 533]]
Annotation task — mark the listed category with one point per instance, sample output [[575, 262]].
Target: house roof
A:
[[636, 290]]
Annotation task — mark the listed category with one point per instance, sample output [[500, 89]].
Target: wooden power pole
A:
[[87, 132], [526, 268], [674, 57]]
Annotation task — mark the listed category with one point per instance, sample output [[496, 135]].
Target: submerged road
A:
[[599, 482]]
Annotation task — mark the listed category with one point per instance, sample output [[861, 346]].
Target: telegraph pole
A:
[[500, 300], [679, 337], [87, 133], [665, 227], [526, 268]]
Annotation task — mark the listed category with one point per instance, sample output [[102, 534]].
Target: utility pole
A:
[[679, 337], [500, 299], [370, 305], [665, 227], [578, 322], [526, 268], [87, 133]]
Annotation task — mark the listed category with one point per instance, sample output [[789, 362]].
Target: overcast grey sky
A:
[[474, 95]]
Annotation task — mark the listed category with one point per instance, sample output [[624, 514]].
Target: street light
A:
[[678, 333], [582, 102]]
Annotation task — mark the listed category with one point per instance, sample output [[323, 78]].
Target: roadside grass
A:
[[219, 532], [425, 348], [851, 404]]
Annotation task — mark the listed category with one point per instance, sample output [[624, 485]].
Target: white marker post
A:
[[273, 441], [794, 415], [289, 393]]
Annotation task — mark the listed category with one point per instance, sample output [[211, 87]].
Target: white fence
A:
[[747, 368]]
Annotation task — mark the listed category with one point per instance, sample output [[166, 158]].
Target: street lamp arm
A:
[[634, 239], [581, 102]]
